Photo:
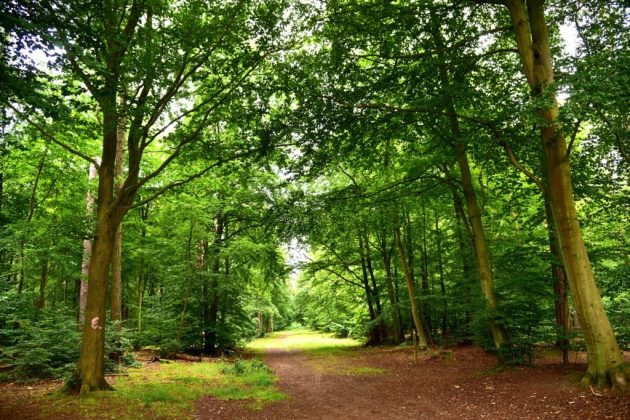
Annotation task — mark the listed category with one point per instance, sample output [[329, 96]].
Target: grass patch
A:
[[170, 390], [366, 370], [304, 340]]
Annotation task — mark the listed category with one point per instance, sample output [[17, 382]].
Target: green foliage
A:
[[245, 367], [38, 347]]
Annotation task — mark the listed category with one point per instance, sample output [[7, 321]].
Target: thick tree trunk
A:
[[415, 311], [91, 375], [605, 360]]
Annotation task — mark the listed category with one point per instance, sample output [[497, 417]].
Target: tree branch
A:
[[576, 129], [52, 138], [529, 174], [190, 178]]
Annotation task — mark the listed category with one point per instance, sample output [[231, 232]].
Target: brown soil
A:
[[385, 383], [462, 383]]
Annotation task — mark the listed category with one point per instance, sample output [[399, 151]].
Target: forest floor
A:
[[329, 382], [320, 377]]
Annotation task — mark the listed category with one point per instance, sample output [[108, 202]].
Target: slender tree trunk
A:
[[482, 252], [213, 292], [438, 236], [191, 273], [87, 251], [463, 232], [144, 215], [43, 281], [375, 291], [560, 286], [375, 331], [426, 292], [32, 205], [605, 360], [386, 253], [415, 311], [116, 289]]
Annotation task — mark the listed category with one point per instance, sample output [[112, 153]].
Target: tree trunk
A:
[[91, 375], [375, 292], [375, 336], [415, 311], [482, 253], [116, 290], [463, 233], [605, 360], [191, 273], [43, 281], [426, 292], [144, 215], [386, 253], [213, 292], [441, 274], [87, 251], [559, 282]]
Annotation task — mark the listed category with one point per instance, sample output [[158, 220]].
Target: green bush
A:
[[244, 367], [45, 347]]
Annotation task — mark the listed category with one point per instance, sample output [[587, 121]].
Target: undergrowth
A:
[[171, 389]]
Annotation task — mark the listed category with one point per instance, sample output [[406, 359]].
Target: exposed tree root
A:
[[77, 385], [617, 378]]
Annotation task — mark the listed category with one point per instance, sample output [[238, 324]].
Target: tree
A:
[[154, 55], [534, 45]]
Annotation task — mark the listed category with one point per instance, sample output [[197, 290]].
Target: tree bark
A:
[[87, 251], [415, 311], [605, 360], [91, 375], [438, 236], [426, 292], [559, 282], [43, 281], [116, 290]]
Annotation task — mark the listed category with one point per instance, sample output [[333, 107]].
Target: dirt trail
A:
[[384, 383]]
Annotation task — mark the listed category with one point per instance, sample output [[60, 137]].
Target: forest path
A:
[[327, 378]]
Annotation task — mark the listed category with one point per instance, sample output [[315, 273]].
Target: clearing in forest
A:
[[317, 376]]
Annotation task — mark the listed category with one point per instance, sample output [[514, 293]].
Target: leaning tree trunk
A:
[[415, 311], [605, 360], [482, 252]]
